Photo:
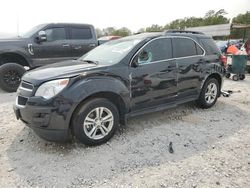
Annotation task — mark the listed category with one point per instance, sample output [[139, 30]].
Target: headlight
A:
[[51, 88]]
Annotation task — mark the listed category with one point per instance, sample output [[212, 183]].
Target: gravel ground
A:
[[211, 149]]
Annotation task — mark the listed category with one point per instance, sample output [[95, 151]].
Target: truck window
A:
[[54, 34], [184, 47], [80, 33]]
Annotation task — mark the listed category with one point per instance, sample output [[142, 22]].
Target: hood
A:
[[9, 43], [59, 70]]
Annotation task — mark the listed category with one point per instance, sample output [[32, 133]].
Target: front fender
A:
[[81, 89]]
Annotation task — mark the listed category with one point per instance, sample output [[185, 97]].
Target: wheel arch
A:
[[14, 57], [113, 97], [215, 75]]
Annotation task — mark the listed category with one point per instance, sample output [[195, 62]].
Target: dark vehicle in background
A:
[[88, 98], [104, 39], [44, 44]]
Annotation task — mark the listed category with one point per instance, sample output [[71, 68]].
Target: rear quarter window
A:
[[209, 46], [80, 33]]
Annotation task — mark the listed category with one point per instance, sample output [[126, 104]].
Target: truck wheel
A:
[[10, 76], [95, 121], [235, 77], [227, 75], [242, 76], [209, 93]]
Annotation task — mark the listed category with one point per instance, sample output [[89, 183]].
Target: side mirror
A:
[[42, 37]]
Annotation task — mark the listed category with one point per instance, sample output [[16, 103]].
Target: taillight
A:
[[223, 60]]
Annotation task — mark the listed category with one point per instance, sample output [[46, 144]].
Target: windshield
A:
[[32, 31], [111, 52]]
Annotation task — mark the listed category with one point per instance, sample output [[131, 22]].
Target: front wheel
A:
[[95, 121], [209, 93], [10, 76]]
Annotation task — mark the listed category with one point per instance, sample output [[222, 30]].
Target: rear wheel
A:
[[242, 76], [10, 76], [95, 121], [209, 93], [235, 77]]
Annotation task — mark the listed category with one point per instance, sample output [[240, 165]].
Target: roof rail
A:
[[183, 31]]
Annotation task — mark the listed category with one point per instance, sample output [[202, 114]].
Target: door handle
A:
[[65, 45], [77, 47], [92, 45]]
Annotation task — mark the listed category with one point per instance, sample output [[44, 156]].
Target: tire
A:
[[248, 69], [83, 128], [203, 99], [227, 75], [242, 76], [235, 77], [10, 76]]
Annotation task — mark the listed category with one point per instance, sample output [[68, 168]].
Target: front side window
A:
[[184, 47], [157, 50], [80, 33], [54, 34]]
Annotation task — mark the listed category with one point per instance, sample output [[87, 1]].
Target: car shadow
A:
[[143, 142]]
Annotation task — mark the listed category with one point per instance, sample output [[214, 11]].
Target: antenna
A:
[[17, 24]]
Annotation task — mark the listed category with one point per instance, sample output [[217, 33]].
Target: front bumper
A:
[[45, 121]]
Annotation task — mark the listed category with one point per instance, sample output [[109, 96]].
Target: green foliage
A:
[[241, 19], [123, 32], [154, 28], [211, 18]]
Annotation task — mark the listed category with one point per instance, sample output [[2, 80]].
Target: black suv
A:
[[89, 97], [42, 45]]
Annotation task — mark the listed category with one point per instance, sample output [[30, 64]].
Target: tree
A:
[[99, 32], [241, 19], [154, 28], [123, 32], [108, 30]]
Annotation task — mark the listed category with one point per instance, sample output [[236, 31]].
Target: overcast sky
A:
[[103, 13]]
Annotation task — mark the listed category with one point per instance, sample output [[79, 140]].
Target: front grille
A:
[[21, 100]]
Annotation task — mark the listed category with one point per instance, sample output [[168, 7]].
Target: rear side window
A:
[[183, 47], [80, 33], [54, 34], [209, 46]]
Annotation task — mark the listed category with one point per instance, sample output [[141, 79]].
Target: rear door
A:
[[55, 49], [190, 61], [82, 40]]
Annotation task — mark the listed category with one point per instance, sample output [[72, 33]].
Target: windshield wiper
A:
[[90, 61]]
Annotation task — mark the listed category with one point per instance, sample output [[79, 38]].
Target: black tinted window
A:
[[183, 47], [157, 50], [55, 34], [81, 33], [209, 46]]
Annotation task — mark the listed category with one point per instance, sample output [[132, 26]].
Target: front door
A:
[[55, 49], [154, 80]]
